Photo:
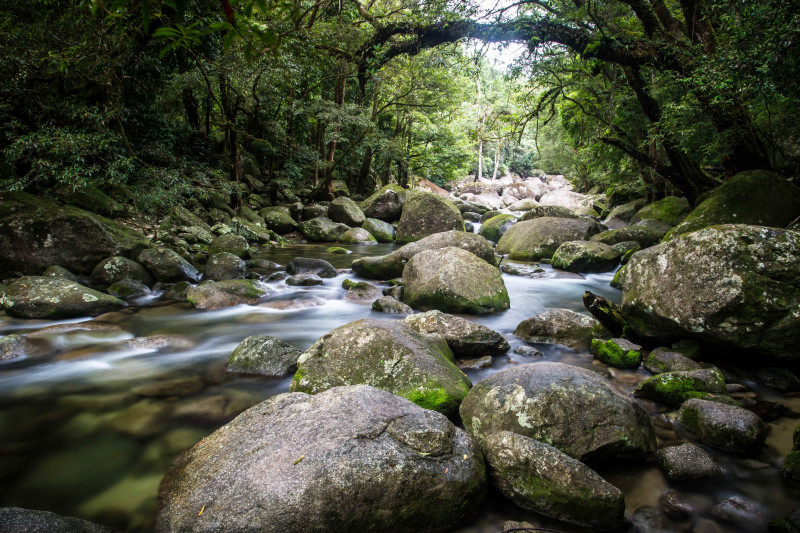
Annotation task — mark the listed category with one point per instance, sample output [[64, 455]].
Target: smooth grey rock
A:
[[467, 339], [723, 426], [232, 244], [390, 305], [167, 266], [219, 294], [262, 354], [539, 238], [117, 268], [52, 298], [223, 266], [305, 265], [304, 280], [18, 520], [561, 326], [687, 461]]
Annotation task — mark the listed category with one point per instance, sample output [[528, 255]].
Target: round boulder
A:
[[388, 355], [670, 210], [222, 266], [297, 467], [308, 265], [574, 409], [454, 281], [723, 426], [167, 266], [426, 213], [232, 244], [219, 294], [561, 326], [386, 203], [265, 355], [117, 268], [322, 229], [496, 227], [278, 220], [539, 238], [52, 298], [467, 339], [357, 236], [585, 256], [382, 231], [346, 211]]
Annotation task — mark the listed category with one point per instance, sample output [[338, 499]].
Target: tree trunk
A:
[[497, 159]]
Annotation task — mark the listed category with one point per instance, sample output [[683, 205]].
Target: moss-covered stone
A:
[[386, 203], [128, 288], [265, 355], [453, 280], [232, 244], [555, 211], [322, 229], [388, 355], [619, 353], [117, 268], [219, 294], [357, 236], [670, 210], [279, 221], [426, 213], [539, 238], [561, 326], [663, 360], [51, 298], [585, 256], [627, 210], [754, 197], [337, 250], [467, 339], [251, 231], [222, 266], [673, 388], [722, 426], [167, 266], [346, 211], [495, 227], [382, 231], [791, 465], [619, 277], [645, 236]]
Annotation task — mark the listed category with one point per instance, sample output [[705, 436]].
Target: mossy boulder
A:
[[388, 355], [232, 244], [391, 266], [314, 211], [322, 229], [128, 288], [523, 205], [183, 224], [453, 280], [223, 266], [117, 268], [94, 200], [574, 409], [279, 221], [386, 203], [619, 277], [59, 272], [561, 326], [733, 286], [304, 280], [51, 298], [349, 459], [337, 250], [310, 265], [360, 291], [251, 231], [539, 238], [673, 388], [346, 211], [665, 360], [585, 256], [391, 305], [755, 197], [219, 294], [626, 211], [382, 231], [670, 210], [37, 233], [264, 355], [167, 266], [357, 236], [723, 426], [467, 339], [496, 227], [541, 478], [645, 236], [426, 213], [549, 211], [619, 353]]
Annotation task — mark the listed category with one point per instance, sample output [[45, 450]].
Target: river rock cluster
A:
[[368, 436]]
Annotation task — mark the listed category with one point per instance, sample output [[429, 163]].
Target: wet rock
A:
[[670, 210], [382, 231], [175, 291], [619, 353], [470, 216], [51, 298], [791, 466], [357, 236], [528, 351], [142, 419], [391, 266], [585, 256], [469, 227], [426, 213], [346, 211], [626, 249], [673, 388], [539, 477], [386, 203], [665, 360], [165, 343], [741, 513], [687, 461], [278, 221], [224, 266], [360, 290], [475, 364], [167, 266], [232, 244], [675, 506], [58, 272], [304, 280], [18, 520], [12, 346], [780, 379], [315, 211], [390, 305], [467, 339], [521, 270], [561, 326], [262, 354], [453, 280], [305, 265], [650, 519], [128, 288], [219, 294], [574, 409], [486, 215], [36, 233], [549, 211], [172, 387], [306, 471], [251, 231], [388, 355], [496, 227], [732, 286], [625, 212], [117, 268], [645, 236], [722, 426], [539, 238], [754, 197], [337, 250], [788, 524]]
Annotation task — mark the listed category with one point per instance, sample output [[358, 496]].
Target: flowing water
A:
[[94, 416]]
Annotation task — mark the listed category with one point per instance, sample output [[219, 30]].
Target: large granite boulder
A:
[[117, 268], [496, 227], [386, 354], [585, 256], [219, 294], [252, 231], [561, 326], [539, 238], [382, 231], [391, 265], [670, 210], [386, 203], [731, 285], [564, 198], [167, 266], [673, 388], [232, 244], [322, 229], [346, 211], [574, 409], [755, 197], [222, 266], [291, 464], [426, 213], [645, 235], [723, 426], [453, 280], [51, 298], [467, 339], [539, 477], [17, 520], [278, 220], [36, 233]]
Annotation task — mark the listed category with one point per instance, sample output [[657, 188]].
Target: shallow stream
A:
[[91, 420]]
